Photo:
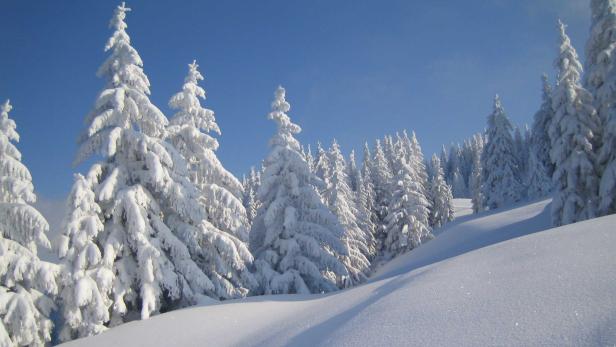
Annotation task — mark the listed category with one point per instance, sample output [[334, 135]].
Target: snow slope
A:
[[491, 279]]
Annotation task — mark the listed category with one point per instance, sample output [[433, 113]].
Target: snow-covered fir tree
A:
[[521, 150], [221, 250], [572, 134], [600, 80], [367, 199], [361, 196], [540, 138], [152, 216], [407, 224], [295, 237], [27, 284], [309, 158], [441, 198], [340, 199], [382, 178], [538, 183], [251, 186], [87, 277], [500, 184], [476, 180]]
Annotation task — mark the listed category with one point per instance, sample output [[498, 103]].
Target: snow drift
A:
[[500, 278]]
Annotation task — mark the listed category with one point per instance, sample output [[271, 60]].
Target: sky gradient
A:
[[353, 70]]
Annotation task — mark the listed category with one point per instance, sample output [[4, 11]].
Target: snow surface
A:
[[462, 207], [496, 278]]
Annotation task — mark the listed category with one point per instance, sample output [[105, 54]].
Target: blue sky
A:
[[353, 70]]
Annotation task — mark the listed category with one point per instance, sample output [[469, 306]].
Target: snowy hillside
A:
[[498, 278]]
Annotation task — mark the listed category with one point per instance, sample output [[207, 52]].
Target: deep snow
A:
[[498, 278]]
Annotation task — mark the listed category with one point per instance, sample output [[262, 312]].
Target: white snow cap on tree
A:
[[27, 284], [295, 237], [221, 252], [499, 163], [572, 133]]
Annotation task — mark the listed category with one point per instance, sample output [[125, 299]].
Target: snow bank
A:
[[491, 279]]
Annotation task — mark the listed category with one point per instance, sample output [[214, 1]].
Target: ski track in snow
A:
[[498, 278]]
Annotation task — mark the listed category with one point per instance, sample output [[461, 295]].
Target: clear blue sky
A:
[[354, 70]]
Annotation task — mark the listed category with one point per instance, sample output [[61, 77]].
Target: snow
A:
[[462, 207], [497, 278]]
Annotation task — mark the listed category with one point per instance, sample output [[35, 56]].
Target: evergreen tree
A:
[[441, 198], [600, 80], [407, 221], [153, 221], [339, 197], [27, 284], [251, 186], [367, 197], [87, 277], [476, 180], [221, 250], [540, 139], [295, 237], [382, 178], [538, 183], [500, 184], [572, 133]]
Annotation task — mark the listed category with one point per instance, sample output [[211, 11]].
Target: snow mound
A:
[[498, 278]]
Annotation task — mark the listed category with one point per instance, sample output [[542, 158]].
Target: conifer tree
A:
[[251, 186], [295, 237], [441, 210], [600, 81], [221, 250], [87, 278], [407, 223], [540, 139], [339, 197], [27, 284], [476, 180], [153, 220], [572, 134], [500, 185], [382, 178], [367, 198]]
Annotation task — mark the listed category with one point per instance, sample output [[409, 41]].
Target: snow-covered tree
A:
[[407, 223], [340, 199], [27, 284], [309, 159], [251, 186], [600, 80], [321, 164], [363, 192], [222, 252], [153, 220], [382, 178], [441, 197], [540, 139], [521, 151], [538, 183], [367, 200], [295, 237], [500, 184], [86, 277], [572, 133], [476, 181]]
